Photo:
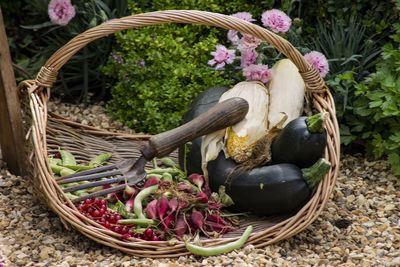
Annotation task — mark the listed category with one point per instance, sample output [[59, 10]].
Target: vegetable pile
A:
[[166, 204], [270, 162]]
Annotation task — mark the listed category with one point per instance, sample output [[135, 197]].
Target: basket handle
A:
[[48, 74]]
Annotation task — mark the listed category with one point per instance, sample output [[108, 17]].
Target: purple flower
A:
[[248, 57], [232, 35], [222, 56], [276, 20], [61, 11], [248, 42], [257, 72], [319, 61]]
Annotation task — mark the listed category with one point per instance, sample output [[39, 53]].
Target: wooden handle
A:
[[222, 115]]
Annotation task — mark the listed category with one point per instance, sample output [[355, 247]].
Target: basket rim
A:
[[39, 92]]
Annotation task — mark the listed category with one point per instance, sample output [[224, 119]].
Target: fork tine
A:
[[87, 172], [94, 184], [88, 177]]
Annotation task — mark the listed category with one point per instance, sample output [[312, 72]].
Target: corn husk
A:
[[286, 89], [238, 140]]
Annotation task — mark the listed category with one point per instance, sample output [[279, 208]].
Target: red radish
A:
[[202, 197], [151, 209], [215, 217], [196, 179], [152, 180], [173, 205], [129, 192], [213, 205], [112, 197], [217, 227], [162, 208], [129, 204], [184, 187], [168, 222], [164, 184], [197, 220], [181, 226], [207, 189]]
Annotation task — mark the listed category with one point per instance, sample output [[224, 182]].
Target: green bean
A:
[[169, 162], [166, 176], [78, 168], [67, 157], [100, 159], [137, 204], [212, 251], [142, 222]]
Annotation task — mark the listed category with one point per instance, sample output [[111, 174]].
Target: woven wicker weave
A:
[[47, 132]]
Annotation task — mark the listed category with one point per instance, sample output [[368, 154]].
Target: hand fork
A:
[[222, 115]]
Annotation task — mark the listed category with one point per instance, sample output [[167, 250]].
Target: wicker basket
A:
[[47, 132]]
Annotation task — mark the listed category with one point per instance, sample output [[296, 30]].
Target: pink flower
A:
[[257, 72], [61, 11], [319, 61], [232, 35], [276, 20], [248, 42], [248, 58], [222, 56]]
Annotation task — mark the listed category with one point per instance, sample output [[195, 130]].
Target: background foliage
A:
[[154, 72]]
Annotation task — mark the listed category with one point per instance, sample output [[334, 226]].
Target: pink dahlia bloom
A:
[[248, 42], [257, 72], [276, 20], [222, 56], [248, 58], [61, 11], [232, 35], [319, 61]]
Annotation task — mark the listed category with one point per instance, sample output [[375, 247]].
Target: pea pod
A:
[[78, 168], [61, 170], [67, 157], [212, 251], [100, 159]]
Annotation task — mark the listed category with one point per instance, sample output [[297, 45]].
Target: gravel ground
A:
[[359, 227]]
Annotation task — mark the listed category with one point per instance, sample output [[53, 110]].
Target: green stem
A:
[[316, 123], [316, 172]]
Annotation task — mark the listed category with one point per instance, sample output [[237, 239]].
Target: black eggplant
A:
[[267, 190], [301, 142]]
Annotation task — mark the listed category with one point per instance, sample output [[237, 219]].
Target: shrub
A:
[[375, 118]]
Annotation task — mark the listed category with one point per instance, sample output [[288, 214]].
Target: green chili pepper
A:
[[100, 159], [137, 204], [212, 251], [67, 157]]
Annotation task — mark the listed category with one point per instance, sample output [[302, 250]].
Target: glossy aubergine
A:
[[267, 190], [203, 102], [301, 142]]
